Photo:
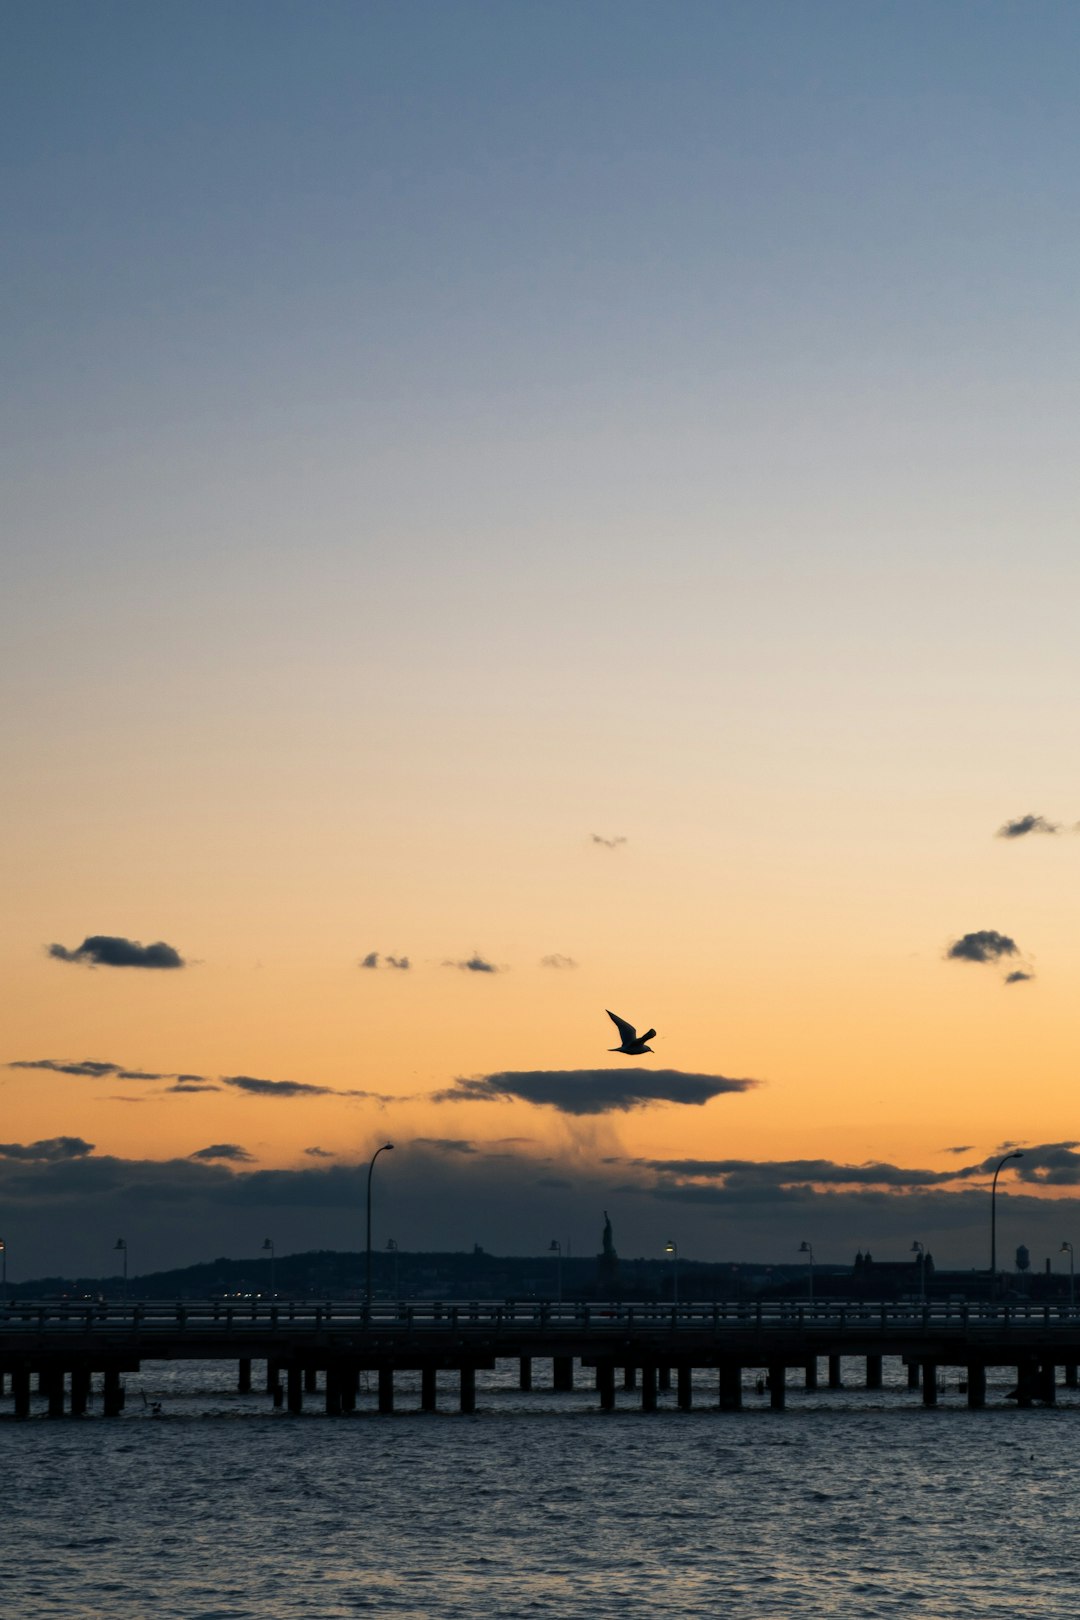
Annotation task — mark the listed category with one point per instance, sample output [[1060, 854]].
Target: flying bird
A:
[[633, 1044]]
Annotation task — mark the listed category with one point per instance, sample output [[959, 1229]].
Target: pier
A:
[[68, 1351]]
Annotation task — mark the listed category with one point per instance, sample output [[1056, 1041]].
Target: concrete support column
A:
[[386, 1389], [686, 1388], [80, 1390], [873, 1372], [835, 1380], [113, 1398], [273, 1376], [562, 1373], [1070, 1375], [976, 1382], [629, 1380], [1026, 1384], [349, 1379], [730, 1387], [929, 1383], [311, 1380], [663, 1377], [295, 1377], [648, 1388], [777, 1387], [333, 1391], [468, 1389], [54, 1389], [1047, 1383], [243, 1376], [279, 1394], [428, 1389], [811, 1373], [605, 1385], [525, 1374], [20, 1389], [914, 1377]]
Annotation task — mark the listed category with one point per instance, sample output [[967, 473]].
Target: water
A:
[[849, 1505]]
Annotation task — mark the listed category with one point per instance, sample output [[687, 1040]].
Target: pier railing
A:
[[212, 1318]]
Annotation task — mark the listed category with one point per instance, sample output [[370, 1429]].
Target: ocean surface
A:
[[847, 1504]]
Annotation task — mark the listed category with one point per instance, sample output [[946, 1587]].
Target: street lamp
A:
[[387, 1147], [672, 1248], [1072, 1273], [920, 1266], [555, 1248], [268, 1244], [121, 1245], [808, 1249], [3, 1261], [993, 1220], [392, 1248]]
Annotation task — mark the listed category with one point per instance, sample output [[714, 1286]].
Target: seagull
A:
[[633, 1044]]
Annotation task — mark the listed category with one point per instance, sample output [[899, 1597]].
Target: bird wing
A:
[[648, 1035], [626, 1031]]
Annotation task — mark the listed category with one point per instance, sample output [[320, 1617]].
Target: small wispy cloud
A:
[[191, 1087], [474, 964], [111, 950], [984, 945], [1018, 977], [606, 843], [445, 1144], [557, 960], [1023, 825], [593, 1091], [374, 959], [229, 1152], [274, 1088], [319, 1153]]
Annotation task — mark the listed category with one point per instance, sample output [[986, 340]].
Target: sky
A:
[[513, 511]]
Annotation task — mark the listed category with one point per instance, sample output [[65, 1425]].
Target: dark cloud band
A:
[[593, 1091], [111, 950]]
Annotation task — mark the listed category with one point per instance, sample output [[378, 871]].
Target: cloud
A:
[[606, 843], [88, 1067], [593, 1091], [110, 950], [55, 1149], [1017, 977], [444, 1144], [557, 960], [749, 1175], [965, 1147], [475, 964], [986, 945], [371, 960], [1027, 824], [319, 1153], [224, 1150], [278, 1088], [186, 1087]]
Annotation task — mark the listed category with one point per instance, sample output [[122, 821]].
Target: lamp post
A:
[[3, 1262], [387, 1147], [808, 1250], [920, 1266], [555, 1248], [268, 1244], [392, 1248], [1072, 1273], [121, 1245], [672, 1248], [993, 1219]]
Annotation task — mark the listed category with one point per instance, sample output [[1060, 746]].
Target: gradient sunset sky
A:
[[581, 499]]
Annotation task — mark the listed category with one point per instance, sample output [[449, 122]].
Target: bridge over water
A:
[[323, 1348]]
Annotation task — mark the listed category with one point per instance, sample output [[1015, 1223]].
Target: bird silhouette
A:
[[633, 1044]]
